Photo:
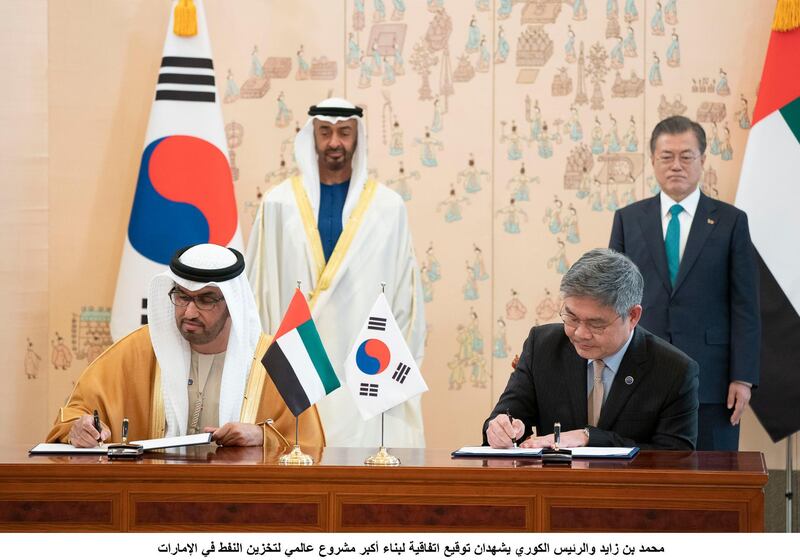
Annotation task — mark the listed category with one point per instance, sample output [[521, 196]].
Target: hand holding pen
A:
[[503, 430], [85, 433]]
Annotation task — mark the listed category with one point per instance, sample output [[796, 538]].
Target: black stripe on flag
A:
[[174, 95], [368, 390], [187, 62], [376, 324], [192, 79], [401, 373], [775, 400], [285, 379]]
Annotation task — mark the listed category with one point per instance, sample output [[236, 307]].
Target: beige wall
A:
[[24, 215], [79, 82]]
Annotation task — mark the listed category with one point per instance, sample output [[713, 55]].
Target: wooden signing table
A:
[[243, 489]]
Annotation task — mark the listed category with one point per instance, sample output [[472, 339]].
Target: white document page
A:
[[147, 444], [515, 451], [589, 452], [177, 441]]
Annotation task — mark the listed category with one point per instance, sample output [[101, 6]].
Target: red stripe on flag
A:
[[780, 80], [297, 314]]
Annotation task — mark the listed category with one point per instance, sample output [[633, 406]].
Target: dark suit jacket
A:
[[657, 411], [712, 314]]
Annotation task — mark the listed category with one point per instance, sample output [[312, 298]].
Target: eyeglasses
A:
[[203, 302], [595, 327], [685, 158]]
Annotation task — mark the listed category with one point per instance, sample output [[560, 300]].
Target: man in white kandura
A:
[[341, 235]]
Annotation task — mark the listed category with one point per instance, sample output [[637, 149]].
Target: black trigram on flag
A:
[[143, 316], [401, 373], [376, 324], [368, 390], [184, 78]]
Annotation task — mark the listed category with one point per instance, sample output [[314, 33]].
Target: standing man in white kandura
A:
[[341, 235]]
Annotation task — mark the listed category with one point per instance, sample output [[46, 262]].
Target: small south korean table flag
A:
[[380, 370]]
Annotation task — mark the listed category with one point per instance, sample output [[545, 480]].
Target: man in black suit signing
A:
[[607, 381], [700, 278]]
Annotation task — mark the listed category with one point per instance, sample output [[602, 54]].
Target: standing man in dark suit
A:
[[700, 278], [607, 381]]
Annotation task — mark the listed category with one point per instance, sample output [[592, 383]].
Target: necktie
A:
[[672, 242], [596, 398]]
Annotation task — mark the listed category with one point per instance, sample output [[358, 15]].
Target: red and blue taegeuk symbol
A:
[[184, 196], [373, 356]]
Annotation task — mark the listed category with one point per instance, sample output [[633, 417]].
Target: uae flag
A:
[[184, 190], [380, 369], [296, 360], [769, 191]]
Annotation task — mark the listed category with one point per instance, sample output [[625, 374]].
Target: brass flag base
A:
[[383, 459], [295, 457]]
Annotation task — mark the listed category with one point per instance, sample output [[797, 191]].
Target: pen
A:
[[511, 420], [97, 426], [556, 435], [124, 430]]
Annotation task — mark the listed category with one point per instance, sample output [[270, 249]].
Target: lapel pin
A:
[[629, 380], [711, 221]]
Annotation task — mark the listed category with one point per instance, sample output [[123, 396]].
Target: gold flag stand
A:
[[296, 455], [382, 458]]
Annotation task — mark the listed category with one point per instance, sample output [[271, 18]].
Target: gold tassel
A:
[[185, 19], [787, 15]]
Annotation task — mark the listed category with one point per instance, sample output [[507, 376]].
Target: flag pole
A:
[[296, 455], [382, 457], [789, 493]]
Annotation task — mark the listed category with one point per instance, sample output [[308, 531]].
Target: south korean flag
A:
[[380, 370]]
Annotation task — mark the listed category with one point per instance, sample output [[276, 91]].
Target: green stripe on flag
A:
[[791, 114], [308, 333]]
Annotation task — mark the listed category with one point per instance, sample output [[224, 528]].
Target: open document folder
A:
[[147, 445], [534, 452]]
